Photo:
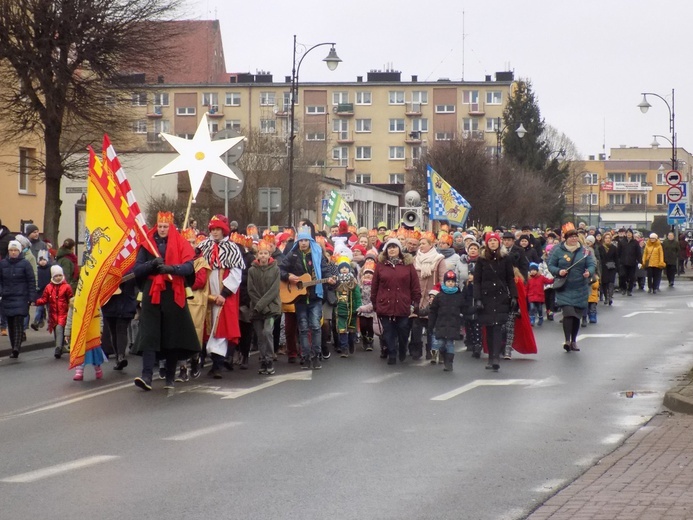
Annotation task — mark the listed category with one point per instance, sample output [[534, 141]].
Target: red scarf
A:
[[178, 251]]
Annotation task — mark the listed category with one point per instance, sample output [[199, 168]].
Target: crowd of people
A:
[[198, 297]]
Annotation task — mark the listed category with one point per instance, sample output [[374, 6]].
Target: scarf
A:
[[177, 251], [574, 248], [224, 254], [316, 256], [393, 261], [425, 263], [447, 252], [448, 290]]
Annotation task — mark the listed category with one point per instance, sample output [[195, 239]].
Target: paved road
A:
[[358, 439]]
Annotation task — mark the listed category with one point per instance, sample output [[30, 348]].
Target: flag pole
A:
[[187, 211], [152, 248]]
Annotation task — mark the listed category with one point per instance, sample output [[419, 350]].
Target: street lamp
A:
[[520, 131], [332, 61], [588, 180]]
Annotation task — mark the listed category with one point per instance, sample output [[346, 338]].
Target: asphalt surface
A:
[[357, 439]]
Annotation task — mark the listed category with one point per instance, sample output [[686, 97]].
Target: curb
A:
[[680, 397]]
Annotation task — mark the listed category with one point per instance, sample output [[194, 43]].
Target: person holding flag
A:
[[167, 330]]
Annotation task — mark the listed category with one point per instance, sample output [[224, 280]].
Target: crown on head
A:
[[188, 234], [428, 235], [164, 217]]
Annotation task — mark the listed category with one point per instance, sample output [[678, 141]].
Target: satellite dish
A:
[[412, 198]]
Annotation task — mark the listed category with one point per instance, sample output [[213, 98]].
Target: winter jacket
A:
[[611, 257], [576, 289], [66, 259], [494, 286], [445, 315], [629, 252], [594, 293], [671, 251], [57, 296], [535, 288], [684, 248], [468, 310], [653, 255], [17, 286], [297, 263], [395, 288], [366, 309], [5, 237], [263, 289], [124, 304], [518, 258], [532, 256], [43, 277]]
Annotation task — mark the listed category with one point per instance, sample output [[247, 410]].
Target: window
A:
[[363, 98], [591, 179], [397, 153], [233, 124], [213, 127], [267, 99], [268, 126], [340, 125], [315, 109], [416, 152], [617, 199], [233, 99], [140, 126], [419, 96], [639, 199], [396, 125], [470, 97], [139, 99], [363, 125], [470, 124], [661, 181], [162, 126], [286, 99], [341, 155], [186, 136], [363, 178], [396, 97], [419, 124], [616, 177], [638, 177], [661, 199], [185, 111], [491, 124], [210, 99], [319, 162], [161, 98], [363, 153], [494, 97], [315, 136], [25, 160], [444, 136], [589, 199], [396, 178], [340, 97], [445, 109]]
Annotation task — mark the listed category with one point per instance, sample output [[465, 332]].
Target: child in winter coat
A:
[[445, 318], [348, 302], [535, 294], [57, 295], [265, 304], [593, 300], [365, 311], [43, 278]]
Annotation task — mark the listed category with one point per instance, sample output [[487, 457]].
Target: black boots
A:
[[447, 361]]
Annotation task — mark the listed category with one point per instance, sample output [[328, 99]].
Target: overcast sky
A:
[[588, 60]]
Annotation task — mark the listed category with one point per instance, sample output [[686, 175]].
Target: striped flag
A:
[[338, 210], [444, 201]]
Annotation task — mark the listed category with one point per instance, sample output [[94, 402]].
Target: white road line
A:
[[66, 402], [317, 399], [304, 375], [202, 431], [33, 476], [645, 312], [482, 382], [585, 336], [380, 379]]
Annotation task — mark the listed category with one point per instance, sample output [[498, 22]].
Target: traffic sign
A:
[[673, 177], [684, 189], [674, 194], [677, 213]]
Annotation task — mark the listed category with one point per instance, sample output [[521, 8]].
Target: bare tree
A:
[[63, 68]]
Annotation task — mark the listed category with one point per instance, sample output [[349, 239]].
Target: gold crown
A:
[[372, 232], [188, 234], [428, 235], [164, 217], [263, 245]]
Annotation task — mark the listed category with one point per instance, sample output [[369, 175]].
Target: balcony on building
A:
[[156, 113], [413, 138], [473, 134], [412, 109], [283, 111], [344, 109], [345, 137], [476, 109], [410, 164], [213, 111]]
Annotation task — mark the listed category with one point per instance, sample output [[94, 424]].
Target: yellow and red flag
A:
[[108, 222]]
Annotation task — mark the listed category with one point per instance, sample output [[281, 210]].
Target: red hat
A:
[[281, 238], [219, 222], [359, 247], [489, 236], [343, 227]]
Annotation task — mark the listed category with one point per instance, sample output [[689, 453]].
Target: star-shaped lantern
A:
[[199, 155]]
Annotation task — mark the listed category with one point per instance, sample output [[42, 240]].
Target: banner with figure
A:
[[338, 210], [107, 224], [444, 201]]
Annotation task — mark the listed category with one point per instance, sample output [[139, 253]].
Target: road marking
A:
[[380, 379], [629, 335], [645, 312], [318, 399], [483, 382], [73, 400], [33, 476], [304, 375], [202, 431]]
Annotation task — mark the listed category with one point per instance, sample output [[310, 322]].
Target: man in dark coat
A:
[[629, 257], [516, 254]]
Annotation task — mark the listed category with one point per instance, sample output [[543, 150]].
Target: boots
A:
[[447, 361], [584, 321], [593, 316], [434, 357], [79, 374], [508, 352]]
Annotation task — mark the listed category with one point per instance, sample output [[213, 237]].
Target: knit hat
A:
[[473, 243], [457, 234], [393, 241], [343, 262], [490, 236], [220, 222], [14, 244], [43, 255], [533, 266], [234, 224], [382, 225], [304, 234], [56, 270], [525, 237], [450, 276], [589, 239], [30, 228], [23, 241], [653, 236], [343, 227], [362, 231], [435, 290], [548, 248], [359, 247]]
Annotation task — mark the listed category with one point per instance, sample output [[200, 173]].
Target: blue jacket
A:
[[576, 290], [17, 286]]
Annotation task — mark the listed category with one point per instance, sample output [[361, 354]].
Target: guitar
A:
[[289, 292]]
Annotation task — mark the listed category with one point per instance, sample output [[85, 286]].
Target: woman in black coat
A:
[[608, 256], [117, 314], [495, 295], [18, 291]]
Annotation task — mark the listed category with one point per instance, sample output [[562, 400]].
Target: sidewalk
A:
[[649, 477], [34, 341]]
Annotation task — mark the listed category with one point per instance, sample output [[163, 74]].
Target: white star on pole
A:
[[199, 155]]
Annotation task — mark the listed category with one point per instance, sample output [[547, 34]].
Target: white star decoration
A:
[[199, 155]]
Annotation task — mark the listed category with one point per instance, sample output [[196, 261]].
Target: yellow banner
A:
[[105, 234]]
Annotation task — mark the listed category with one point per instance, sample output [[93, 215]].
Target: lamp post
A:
[[332, 60], [588, 180], [520, 131]]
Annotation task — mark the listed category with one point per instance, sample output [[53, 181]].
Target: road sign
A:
[[677, 213], [673, 177], [684, 189], [675, 193]]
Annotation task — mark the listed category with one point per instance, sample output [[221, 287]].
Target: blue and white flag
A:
[[444, 201]]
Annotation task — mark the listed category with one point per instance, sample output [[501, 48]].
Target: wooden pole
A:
[[187, 211]]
